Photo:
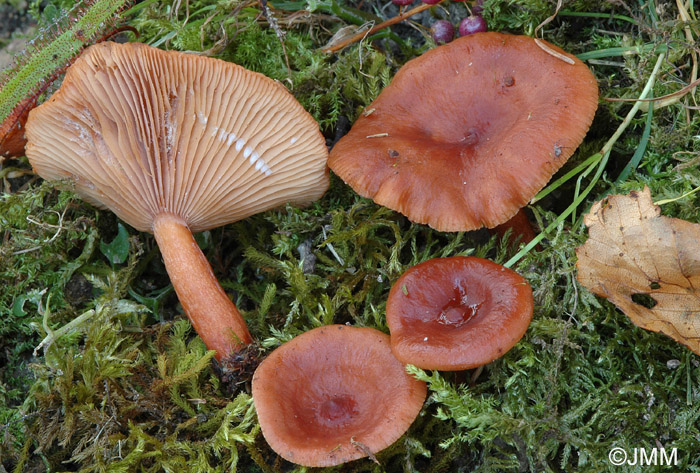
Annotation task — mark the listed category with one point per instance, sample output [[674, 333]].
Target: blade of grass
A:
[[577, 189], [668, 201], [622, 51], [651, 8], [138, 7], [641, 149], [563, 179], [612, 16]]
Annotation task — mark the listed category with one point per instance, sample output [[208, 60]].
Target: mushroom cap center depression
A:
[[461, 308], [457, 308], [328, 389], [457, 313], [330, 404], [338, 410], [463, 129]]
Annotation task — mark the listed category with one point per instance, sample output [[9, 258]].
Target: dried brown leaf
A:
[[637, 258]]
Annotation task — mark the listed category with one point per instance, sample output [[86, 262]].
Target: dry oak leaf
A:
[[633, 250]]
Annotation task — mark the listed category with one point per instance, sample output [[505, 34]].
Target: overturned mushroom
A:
[[466, 134], [457, 313], [175, 143], [334, 394]]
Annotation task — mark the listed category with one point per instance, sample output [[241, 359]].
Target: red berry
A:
[[471, 25], [443, 31], [401, 3]]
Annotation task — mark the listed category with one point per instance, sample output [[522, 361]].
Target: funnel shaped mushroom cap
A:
[[144, 131], [457, 313], [467, 133], [323, 395]]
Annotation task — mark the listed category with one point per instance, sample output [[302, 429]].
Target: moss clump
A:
[[129, 387], [327, 88], [46, 238]]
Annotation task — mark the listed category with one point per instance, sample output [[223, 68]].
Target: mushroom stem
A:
[[521, 228], [212, 314]]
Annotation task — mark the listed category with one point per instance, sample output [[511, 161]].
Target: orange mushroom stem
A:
[[212, 314], [522, 230]]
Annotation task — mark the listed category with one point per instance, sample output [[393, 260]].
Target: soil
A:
[[16, 25]]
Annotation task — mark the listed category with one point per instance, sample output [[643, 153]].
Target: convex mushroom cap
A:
[[466, 134], [174, 143], [457, 313], [334, 394]]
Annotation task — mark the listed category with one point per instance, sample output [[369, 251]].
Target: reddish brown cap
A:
[[466, 134], [334, 394], [457, 313], [12, 139], [144, 132]]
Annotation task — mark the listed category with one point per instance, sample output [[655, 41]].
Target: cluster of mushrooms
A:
[[462, 138]]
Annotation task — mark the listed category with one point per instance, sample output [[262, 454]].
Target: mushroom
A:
[[12, 140], [466, 134], [176, 143], [334, 394], [457, 313]]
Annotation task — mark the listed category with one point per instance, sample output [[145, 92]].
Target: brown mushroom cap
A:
[[328, 394], [144, 131], [457, 313], [467, 133]]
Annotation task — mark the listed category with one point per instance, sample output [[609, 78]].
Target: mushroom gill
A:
[[175, 143]]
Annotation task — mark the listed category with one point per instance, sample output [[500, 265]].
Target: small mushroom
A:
[[176, 143], [334, 394], [457, 313], [12, 139], [466, 134]]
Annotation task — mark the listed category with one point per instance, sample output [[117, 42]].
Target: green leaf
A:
[[18, 306], [118, 250]]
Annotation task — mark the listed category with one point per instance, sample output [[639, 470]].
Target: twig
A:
[[685, 17], [272, 21], [364, 449], [53, 335], [680, 92], [391, 21], [550, 18], [6, 426], [543, 46], [58, 227]]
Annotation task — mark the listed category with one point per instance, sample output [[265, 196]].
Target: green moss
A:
[[130, 387]]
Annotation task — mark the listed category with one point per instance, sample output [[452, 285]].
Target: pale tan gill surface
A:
[[144, 131]]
